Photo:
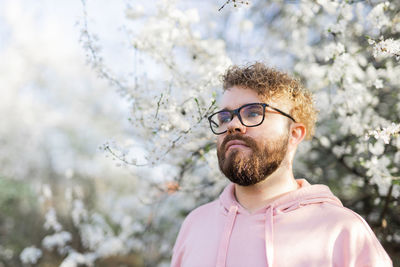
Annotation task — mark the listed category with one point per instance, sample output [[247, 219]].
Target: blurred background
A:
[[104, 143]]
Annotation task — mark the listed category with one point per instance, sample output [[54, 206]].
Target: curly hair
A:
[[270, 83]]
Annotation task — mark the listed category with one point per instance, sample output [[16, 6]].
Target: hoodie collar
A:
[[305, 194]]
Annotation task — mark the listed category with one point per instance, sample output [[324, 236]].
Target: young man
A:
[[266, 217]]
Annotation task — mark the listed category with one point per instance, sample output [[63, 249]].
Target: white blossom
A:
[[111, 246], [338, 27], [79, 212], [30, 255], [51, 221], [333, 50], [57, 240], [378, 148], [75, 259], [386, 48], [6, 253], [377, 15], [92, 236], [379, 173], [386, 133], [378, 84]]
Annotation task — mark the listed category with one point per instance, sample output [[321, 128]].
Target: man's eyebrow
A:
[[224, 109]]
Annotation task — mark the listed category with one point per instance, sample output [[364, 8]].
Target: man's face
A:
[[248, 155]]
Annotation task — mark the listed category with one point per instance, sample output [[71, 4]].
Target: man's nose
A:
[[235, 126]]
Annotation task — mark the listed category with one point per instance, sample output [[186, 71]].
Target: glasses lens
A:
[[252, 114], [219, 121]]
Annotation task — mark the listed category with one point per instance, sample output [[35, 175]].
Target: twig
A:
[[227, 2], [115, 155], [235, 2], [158, 106], [386, 205]]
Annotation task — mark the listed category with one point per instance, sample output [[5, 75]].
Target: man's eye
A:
[[253, 113], [224, 118]]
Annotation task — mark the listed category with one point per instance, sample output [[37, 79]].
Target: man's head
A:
[[255, 140]]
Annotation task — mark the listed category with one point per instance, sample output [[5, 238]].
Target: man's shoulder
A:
[[201, 214], [343, 219], [206, 209], [354, 233]]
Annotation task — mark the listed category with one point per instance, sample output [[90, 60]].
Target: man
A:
[[266, 217]]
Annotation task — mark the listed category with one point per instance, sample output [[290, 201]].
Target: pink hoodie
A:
[[306, 227]]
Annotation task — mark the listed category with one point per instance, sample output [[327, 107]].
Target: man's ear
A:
[[297, 133]]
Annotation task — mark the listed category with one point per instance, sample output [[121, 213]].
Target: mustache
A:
[[247, 140]]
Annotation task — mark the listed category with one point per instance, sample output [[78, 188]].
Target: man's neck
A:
[[256, 196]]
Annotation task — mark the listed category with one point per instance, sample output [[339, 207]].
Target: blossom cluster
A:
[[386, 133], [386, 48]]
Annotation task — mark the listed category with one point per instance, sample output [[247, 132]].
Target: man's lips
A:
[[235, 143]]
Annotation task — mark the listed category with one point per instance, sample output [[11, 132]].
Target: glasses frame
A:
[[237, 113]]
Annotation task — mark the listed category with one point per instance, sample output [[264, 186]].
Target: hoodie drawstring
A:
[[269, 235], [224, 243]]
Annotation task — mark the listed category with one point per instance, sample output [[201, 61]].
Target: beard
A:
[[261, 163]]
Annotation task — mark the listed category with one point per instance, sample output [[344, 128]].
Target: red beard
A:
[[260, 164]]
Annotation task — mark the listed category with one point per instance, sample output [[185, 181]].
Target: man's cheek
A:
[[220, 139]]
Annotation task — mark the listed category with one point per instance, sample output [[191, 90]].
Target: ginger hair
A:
[[270, 83]]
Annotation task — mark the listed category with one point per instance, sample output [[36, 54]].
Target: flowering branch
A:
[[88, 42]]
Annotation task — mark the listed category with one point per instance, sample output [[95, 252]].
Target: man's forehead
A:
[[236, 97]]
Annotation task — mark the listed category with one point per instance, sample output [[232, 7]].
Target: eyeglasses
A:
[[250, 115]]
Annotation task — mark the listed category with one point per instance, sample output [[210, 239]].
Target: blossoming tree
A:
[[346, 52]]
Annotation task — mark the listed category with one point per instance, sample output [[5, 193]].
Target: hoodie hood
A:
[[306, 194]]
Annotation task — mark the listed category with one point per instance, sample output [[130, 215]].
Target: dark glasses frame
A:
[[237, 113]]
